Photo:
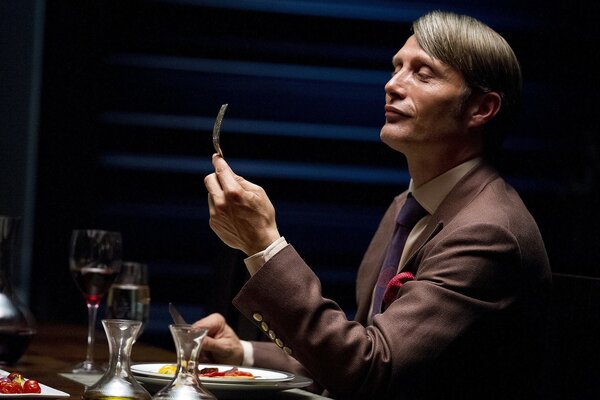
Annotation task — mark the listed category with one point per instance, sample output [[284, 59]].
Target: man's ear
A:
[[483, 108]]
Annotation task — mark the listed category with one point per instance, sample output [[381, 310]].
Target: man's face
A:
[[424, 103]]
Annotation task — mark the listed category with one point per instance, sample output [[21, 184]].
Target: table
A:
[[57, 347]]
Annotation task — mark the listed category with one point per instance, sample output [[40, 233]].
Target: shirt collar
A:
[[432, 193]]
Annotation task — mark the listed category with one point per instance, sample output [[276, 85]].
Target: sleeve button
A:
[[264, 326]]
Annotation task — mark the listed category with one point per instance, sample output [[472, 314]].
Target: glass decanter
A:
[[17, 325], [186, 385], [118, 383]]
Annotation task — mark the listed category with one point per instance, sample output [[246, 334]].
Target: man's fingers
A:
[[229, 181], [211, 203], [215, 193], [209, 344], [211, 182], [205, 358], [214, 323], [247, 185], [217, 346], [226, 177]]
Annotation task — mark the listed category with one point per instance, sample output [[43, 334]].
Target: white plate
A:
[[260, 375], [47, 391], [225, 390]]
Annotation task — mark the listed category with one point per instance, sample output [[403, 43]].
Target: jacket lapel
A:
[[461, 195]]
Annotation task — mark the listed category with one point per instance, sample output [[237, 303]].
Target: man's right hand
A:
[[241, 213], [221, 345]]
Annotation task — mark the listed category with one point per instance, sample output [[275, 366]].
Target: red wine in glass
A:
[[94, 282], [94, 261]]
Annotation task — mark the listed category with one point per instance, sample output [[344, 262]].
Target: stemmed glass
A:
[[129, 295], [94, 260]]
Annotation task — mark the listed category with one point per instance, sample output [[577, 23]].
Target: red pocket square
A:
[[391, 291]]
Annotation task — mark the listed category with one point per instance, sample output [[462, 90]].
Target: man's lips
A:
[[394, 112]]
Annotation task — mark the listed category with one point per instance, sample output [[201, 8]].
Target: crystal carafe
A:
[[186, 385], [17, 325], [118, 383]]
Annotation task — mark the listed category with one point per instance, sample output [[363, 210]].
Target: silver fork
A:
[[217, 130]]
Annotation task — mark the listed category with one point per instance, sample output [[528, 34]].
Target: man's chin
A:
[[394, 139], [390, 134]]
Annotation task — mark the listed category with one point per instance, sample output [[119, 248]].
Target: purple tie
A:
[[410, 213]]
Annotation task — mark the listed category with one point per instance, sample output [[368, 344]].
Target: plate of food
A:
[[13, 384], [215, 373], [223, 388]]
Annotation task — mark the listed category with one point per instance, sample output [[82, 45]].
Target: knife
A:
[[177, 318]]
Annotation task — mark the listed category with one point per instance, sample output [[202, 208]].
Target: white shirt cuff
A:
[[256, 261], [248, 360]]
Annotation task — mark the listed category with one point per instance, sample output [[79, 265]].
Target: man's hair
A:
[[483, 57]]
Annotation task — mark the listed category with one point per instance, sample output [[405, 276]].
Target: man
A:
[[464, 317]]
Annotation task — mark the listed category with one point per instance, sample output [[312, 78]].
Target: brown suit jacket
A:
[[469, 326]]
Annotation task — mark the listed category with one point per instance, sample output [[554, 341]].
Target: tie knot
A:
[[411, 212]]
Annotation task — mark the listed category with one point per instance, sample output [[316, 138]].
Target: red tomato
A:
[[14, 376], [11, 388], [31, 386]]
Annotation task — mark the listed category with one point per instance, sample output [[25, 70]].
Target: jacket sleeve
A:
[[459, 280], [269, 355]]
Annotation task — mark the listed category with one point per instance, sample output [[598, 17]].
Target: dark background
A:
[[128, 95]]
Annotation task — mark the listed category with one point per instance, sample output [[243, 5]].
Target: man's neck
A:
[[424, 169]]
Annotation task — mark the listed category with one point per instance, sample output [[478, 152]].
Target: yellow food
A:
[[168, 369]]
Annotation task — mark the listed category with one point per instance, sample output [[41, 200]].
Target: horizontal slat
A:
[[301, 171], [256, 168], [400, 11], [240, 125], [260, 98], [334, 216], [249, 68], [291, 129]]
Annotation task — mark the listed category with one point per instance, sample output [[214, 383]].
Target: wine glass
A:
[[129, 296], [94, 260]]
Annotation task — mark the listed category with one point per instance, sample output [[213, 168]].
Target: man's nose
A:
[[396, 85]]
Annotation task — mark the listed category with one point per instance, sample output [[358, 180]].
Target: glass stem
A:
[[91, 338]]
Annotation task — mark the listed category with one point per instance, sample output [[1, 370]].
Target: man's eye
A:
[[423, 75]]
